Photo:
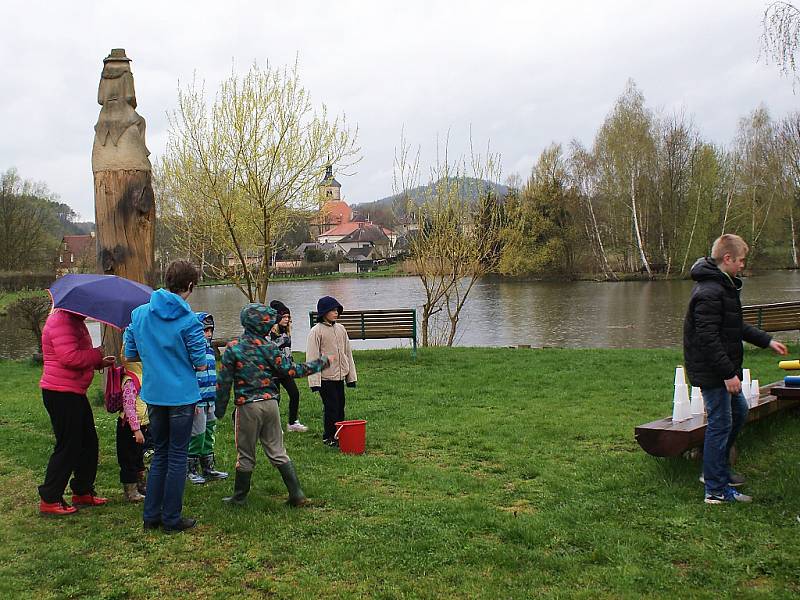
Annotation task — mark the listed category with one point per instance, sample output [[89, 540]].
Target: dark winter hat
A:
[[327, 304], [280, 308]]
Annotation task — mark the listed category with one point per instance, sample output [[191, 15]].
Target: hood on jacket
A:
[[327, 304], [168, 306], [207, 319], [705, 269], [258, 319]]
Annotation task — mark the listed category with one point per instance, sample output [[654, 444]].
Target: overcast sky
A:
[[521, 74]]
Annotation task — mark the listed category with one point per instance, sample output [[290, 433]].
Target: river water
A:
[[636, 314]]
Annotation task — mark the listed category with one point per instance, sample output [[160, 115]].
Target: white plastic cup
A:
[[680, 378], [696, 403], [746, 376], [755, 392], [680, 404]]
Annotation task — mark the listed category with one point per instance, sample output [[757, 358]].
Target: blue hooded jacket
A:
[[207, 380], [168, 337]]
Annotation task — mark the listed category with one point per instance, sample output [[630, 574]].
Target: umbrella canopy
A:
[[106, 298]]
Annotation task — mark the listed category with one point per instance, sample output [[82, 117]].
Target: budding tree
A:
[[460, 222], [233, 174]]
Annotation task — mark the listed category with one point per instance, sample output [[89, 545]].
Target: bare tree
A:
[[30, 314], [457, 243], [234, 174], [780, 37]]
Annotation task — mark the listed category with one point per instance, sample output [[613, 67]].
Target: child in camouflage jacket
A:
[[252, 364]]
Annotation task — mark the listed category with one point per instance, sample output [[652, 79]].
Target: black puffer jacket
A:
[[713, 330]]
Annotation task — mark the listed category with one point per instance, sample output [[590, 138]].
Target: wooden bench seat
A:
[[378, 324], [779, 316], [665, 438]]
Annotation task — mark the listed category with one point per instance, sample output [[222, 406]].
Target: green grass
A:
[[488, 474], [8, 298]]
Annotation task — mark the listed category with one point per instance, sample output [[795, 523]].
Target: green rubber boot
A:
[[296, 495], [241, 487]]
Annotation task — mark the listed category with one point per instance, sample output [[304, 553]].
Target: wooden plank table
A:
[[665, 438]]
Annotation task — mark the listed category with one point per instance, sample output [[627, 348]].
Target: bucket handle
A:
[[336, 435]]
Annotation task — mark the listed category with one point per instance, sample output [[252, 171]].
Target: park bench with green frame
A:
[[665, 438], [378, 324], [779, 316]]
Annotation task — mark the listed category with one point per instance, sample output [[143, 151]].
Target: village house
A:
[[76, 254], [338, 225]]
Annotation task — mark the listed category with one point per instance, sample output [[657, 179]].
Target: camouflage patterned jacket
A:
[[251, 362]]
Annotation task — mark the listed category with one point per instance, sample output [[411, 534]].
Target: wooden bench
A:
[[780, 316], [665, 438], [378, 324]]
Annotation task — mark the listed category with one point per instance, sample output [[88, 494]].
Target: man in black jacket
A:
[[713, 332]]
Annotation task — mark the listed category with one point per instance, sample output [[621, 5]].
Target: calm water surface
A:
[[575, 314]]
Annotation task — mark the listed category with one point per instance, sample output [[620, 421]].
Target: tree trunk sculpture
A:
[[123, 192]]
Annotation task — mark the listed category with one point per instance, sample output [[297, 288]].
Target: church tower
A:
[[330, 190]]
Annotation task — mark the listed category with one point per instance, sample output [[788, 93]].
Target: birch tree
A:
[[624, 150]]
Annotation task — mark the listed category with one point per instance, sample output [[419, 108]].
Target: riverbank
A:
[[488, 474], [8, 298], [388, 271]]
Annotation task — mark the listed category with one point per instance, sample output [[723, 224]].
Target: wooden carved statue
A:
[[119, 132], [123, 193]]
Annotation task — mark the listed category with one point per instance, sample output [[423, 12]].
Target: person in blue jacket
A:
[[168, 339]]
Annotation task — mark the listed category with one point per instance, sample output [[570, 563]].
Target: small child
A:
[[281, 335], [131, 430], [330, 338], [253, 364], [201, 444]]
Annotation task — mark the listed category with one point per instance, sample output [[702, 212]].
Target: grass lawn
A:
[[488, 474], [8, 298]]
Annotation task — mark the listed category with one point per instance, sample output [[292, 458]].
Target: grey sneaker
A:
[[736, 480], [296, 426], [728, 495]]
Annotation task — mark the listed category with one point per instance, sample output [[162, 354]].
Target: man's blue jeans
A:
[[171, 428], [726, 415]]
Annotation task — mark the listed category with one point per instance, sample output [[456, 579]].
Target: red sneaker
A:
[[88, 500], [59, 508]]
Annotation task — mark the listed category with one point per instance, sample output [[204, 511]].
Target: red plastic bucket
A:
[[352, 436]]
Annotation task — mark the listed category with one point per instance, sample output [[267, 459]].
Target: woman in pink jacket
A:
[[69, 364]]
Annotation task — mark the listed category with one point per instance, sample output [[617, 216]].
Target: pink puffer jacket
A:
[[69, 359]]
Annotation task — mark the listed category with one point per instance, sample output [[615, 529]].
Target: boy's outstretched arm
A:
[[224, 381], [287, 367]]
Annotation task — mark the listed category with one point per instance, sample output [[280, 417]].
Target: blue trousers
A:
[[726, 415], [171, 428]]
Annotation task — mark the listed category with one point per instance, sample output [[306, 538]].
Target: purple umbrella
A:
[[105, 298]]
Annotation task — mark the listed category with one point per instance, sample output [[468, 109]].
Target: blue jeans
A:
[[171, 428], [726, 415]]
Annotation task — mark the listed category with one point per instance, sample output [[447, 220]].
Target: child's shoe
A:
[[193, 474], [296, 426], [241, 487], [296, 495], [132, 493], [58, 509], [88, 500], [333, 443], [209, 472]]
